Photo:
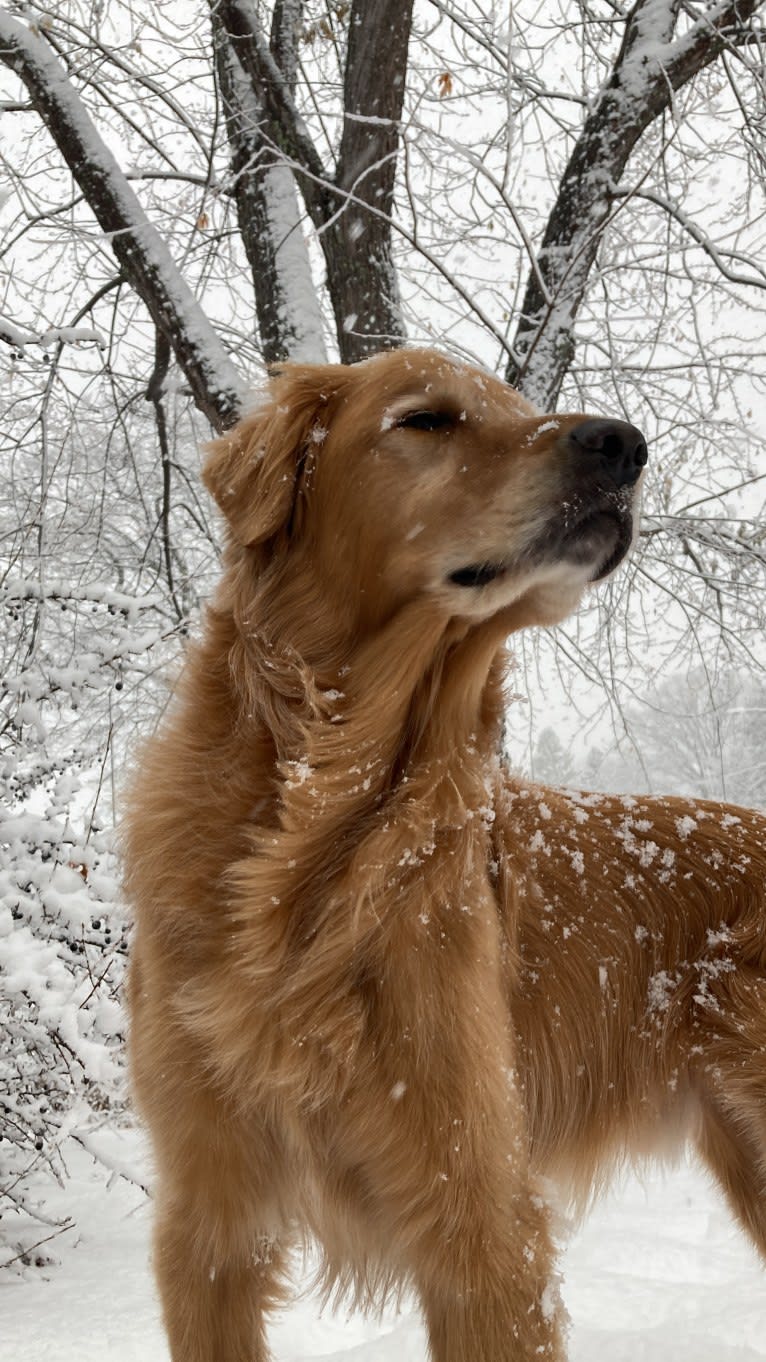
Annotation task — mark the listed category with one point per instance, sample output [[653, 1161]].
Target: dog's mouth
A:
[[602, 537]]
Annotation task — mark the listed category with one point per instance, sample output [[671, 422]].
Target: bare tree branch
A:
[[650, 66], [155, 393], [756, 276], [143, 255]]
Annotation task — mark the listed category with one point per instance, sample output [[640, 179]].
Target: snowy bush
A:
[[62, 948], [63, 927]]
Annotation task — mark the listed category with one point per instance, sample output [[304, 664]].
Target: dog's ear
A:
[[254, 470]]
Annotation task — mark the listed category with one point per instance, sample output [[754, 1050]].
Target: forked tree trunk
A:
[[351, 207], [650, 66], [268, 211]]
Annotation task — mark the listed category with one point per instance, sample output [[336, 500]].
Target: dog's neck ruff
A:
[[383, 829]]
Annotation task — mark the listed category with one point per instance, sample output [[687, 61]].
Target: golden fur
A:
[[380, 987]]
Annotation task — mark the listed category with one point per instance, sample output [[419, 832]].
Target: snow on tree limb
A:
[[356, 242], [269, 217], [18, 338], [282, 121], [649, 68], [217, 387]]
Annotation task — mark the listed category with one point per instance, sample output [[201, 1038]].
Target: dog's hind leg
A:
[[731, 1081], [727, 1147]]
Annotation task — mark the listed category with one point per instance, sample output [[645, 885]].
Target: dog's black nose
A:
[[618, 446]]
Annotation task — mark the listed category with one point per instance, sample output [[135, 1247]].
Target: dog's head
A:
[[414, 475]]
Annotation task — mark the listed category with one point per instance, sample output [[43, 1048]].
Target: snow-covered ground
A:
[[658, 1271]]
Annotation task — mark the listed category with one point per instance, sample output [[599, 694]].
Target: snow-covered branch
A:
[[361, 278], [650, 67], [283, 122], [142, 253], [19, 337], [269, 217]]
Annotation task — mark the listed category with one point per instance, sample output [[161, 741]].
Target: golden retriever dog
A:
[[382, 991]]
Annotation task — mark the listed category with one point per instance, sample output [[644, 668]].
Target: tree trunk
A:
[[357, 245], [649, 68], [269, 217], [351, 209]]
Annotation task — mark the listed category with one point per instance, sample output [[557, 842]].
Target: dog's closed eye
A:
[[425, 420]]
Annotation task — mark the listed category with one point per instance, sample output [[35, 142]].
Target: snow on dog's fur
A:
[[381, 989]]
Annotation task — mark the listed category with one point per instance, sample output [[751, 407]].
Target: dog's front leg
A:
[[484, 1264], [214, 1308], [436, 1131], [219, 1250], [487, 1291]]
